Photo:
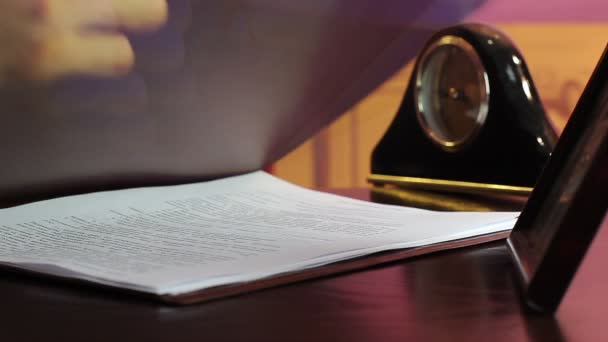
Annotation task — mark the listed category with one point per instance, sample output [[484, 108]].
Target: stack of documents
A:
[[178, 240]]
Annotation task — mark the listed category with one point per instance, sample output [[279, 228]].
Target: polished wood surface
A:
[[469, 294]]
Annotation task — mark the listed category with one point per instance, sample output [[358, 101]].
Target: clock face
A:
[[452, 92]]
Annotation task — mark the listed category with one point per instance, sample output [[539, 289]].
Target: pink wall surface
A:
[[542, 10]]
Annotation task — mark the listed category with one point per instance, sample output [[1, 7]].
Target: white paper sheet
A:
[[171, 240]]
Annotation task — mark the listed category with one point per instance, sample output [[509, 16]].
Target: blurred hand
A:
[[42, 40]]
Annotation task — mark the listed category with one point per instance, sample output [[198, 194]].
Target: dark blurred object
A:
[[568, 205], [224, 88], [471, 120]]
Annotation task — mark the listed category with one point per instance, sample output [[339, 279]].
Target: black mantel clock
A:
[[471, 120]]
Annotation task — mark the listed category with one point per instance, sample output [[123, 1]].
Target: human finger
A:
[[125, 14], [71, 53], [141, 14]]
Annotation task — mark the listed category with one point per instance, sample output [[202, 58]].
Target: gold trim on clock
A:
[[444, 185]]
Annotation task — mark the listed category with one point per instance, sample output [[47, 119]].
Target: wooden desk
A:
[[464, 295]]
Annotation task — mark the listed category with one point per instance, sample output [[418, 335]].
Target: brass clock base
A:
[[443, 201], [449, 186]]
